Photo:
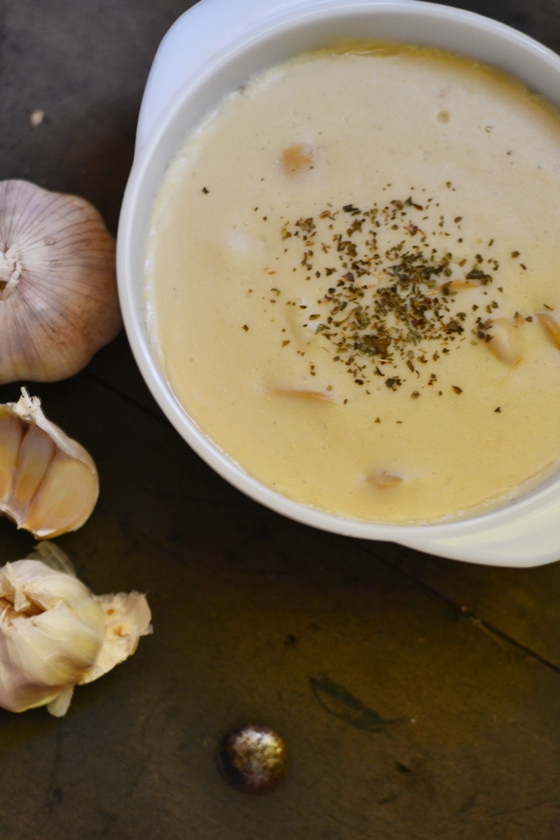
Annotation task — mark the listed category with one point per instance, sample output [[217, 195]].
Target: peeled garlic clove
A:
[[54, 634], [384, 480], [550, 321], [298, 159], [51, 482], [456, 286], [505, 343], [306, 394], [58, 296]]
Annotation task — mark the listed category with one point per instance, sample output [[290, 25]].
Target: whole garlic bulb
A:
[[48, 482], [54, 634], [58, 296]]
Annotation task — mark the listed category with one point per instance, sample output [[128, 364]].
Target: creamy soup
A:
[[352, 279]]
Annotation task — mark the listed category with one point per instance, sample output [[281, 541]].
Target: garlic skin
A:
[[127, 617], [58, 294], [54, 634], [51, 631], [48, 482]]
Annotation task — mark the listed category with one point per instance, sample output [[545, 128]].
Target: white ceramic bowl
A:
[[218, 45]]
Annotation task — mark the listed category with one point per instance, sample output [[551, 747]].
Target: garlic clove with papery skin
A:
[[50, 632], [58, 295], [127, 617], [55, 634], [37, 450], [48, 482]]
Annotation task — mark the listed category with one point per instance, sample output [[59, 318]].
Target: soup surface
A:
[[352, 278]]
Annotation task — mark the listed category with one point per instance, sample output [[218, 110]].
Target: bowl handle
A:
[[202, 30], [512, 537]]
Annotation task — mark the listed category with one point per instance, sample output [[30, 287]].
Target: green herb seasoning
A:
[[386, 300]]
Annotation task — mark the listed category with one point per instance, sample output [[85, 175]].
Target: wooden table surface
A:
[[419, 697]]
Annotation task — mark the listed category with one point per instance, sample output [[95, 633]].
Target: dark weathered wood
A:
[[85, 65], [538, 18], [405, 717], [115, 366], [522, 603]]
